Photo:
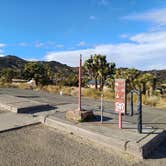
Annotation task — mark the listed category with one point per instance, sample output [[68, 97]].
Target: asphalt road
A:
[[151, 116]]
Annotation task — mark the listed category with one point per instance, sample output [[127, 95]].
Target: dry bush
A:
[[109, 94], [152, 101], [51, 88], [7, 85], [135, 97], [74, 91], [144, 98], [66, 90], [91, 92], [57, 89], [23, 86], [162, 103]]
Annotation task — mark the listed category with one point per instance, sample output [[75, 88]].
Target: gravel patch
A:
[[40, 145], [43, 146]]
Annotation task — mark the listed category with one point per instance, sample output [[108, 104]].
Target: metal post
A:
[[80, 79], [120, 120], [101, 108], [131, 103], [139, 125]]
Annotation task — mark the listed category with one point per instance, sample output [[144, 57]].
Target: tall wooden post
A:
[[80, 80]]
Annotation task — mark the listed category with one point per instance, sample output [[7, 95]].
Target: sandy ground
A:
[[42, 146]]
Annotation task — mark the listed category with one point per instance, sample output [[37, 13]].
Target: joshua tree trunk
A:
[[101, 84], [96, 84]]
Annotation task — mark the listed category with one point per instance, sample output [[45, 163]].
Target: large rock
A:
[[79, 115]]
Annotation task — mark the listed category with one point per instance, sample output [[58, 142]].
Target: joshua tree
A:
[[99, 69]]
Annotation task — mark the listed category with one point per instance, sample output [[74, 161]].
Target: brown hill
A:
[[18, 64]]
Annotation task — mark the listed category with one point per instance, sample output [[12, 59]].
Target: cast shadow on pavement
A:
[[159, 153], [41, 109]]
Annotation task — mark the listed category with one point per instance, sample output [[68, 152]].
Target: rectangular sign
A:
[[120, 95]]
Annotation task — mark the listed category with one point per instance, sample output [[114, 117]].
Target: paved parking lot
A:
[[40, 145], [151, 116]]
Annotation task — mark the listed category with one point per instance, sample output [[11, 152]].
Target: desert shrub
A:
[[7, 85], [23, 86], [152, 101], [66, 90], [90, 92], [144, 98], [135, 97], [51, 88], [74, 91], [162, 103], [109, 94]]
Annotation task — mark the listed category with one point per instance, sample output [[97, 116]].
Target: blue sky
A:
[[132, 33]]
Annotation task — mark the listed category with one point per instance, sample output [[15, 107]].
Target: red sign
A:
[[120, 95]]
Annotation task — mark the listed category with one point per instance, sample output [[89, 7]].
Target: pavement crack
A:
[[125, 145]]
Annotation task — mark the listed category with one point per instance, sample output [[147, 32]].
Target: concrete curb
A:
[[20, 105], [19, 127], [139, 149]]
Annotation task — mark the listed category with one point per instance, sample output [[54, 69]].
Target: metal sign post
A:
[[139, 108], [131, 103], [139, 126], [120, 98], [80, 80], [120, 120], [101, 108]]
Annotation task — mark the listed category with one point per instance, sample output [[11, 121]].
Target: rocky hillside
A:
[[17, 63], [160, 75], [12, 62]]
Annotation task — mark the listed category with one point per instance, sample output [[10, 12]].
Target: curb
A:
[[19, 127], [137, 149]]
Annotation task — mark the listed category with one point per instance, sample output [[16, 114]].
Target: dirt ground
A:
[[42, 146]]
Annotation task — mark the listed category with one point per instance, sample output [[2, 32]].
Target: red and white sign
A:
[[120, 95]]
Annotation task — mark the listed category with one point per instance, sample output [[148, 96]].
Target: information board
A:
[[120, 95]]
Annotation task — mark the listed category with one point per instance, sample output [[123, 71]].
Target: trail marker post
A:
[[120, 98]]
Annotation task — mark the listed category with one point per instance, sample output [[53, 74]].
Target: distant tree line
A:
[[96, 69]]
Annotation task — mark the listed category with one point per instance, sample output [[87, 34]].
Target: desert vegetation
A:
[[98, 78]]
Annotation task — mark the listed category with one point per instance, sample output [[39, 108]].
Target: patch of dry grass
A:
[[7, 85], [50, 88], [91, 92], [108, 94], [154, 101], [23, 86], [162, 103]]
